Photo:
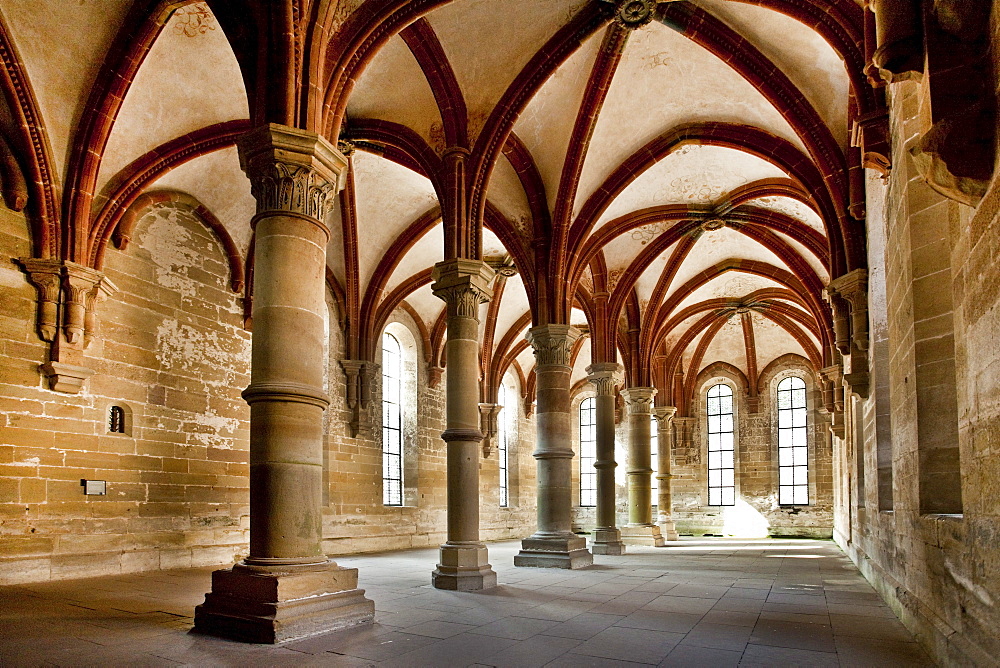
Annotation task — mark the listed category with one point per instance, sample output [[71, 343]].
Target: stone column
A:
[[287, 587], [640, 529], [553, 545], [665, 460], [464, 562], [607, 537]]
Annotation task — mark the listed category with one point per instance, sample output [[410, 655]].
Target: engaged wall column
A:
[[553, 545]]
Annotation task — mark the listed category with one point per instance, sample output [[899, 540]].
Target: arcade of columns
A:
[[287, 587]]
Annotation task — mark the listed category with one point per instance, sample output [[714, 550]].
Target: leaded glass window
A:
[[502, 440], [654, 440], [588, 452], [793, 450], [721, 447], [392, 421]]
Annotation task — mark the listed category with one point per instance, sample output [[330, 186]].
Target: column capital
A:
[[639, 400], [665, 415], [292, 171], [553, 344], [605, 376], [463, 285]]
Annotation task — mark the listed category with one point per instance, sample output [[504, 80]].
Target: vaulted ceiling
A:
[[684, 189]]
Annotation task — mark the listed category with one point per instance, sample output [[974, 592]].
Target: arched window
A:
[[588, 453], [503, 436], [116, 420], [654, 456], [721, 468], [392, 421], [793, 451]]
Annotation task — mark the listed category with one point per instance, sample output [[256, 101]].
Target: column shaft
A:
[[553, 545], [464, 561], [607, 537], [640, 529], [664, 505], [287, 588]]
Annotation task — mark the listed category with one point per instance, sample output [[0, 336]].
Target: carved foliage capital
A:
[[553, 344], [605, 377], [639, 400], [292, 170], [665, 415], [463, 285]]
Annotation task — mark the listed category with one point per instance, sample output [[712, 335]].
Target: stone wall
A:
[[938, 568], [172, 351]]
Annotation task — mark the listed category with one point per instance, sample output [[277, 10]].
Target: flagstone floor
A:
[[700, 602]]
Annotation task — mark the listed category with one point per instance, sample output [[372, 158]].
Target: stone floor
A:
[[700, 602]]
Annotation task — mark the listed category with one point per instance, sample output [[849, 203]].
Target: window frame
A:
[[503, 447], [798, 455], [390, 426], [588, 452], [719, 445]]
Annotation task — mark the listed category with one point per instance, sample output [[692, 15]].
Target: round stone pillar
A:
[[464, 561], [665, 502], [607, 537], [640, 529], [553, 545], [287, 587]]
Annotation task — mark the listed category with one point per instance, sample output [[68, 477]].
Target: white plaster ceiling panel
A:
[[526, 359], [62, 45], [425, 253], [728, 345], [695, 174], [389, 198], [651, 277], [801, 54], [426, 304], [393, 88], [623, 249], [491, 244], [216, 180], [489, 42], [790, 207], [675, 334], [513, 305], [546, 124], [505, 192], [732, 284], [807, 255], [718, 245], [578, 318], [772, 341], [189, 79], [583, 359], [665, 80]]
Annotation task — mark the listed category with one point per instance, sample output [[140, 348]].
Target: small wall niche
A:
[[118, 419]]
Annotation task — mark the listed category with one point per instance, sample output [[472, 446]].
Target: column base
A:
[[254, 605], [668, 530], [559, 551], [642, 534], [464, 568], [607, 541]]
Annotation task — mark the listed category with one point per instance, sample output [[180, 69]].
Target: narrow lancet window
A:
[[721, 467], [588, 453], [392, 421], [793, 451], [502, 442]]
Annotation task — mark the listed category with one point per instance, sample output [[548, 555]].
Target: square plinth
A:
[[265, 607], [554, 552], [648, 535]]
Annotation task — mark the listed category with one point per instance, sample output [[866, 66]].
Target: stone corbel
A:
[[105, 289], [899, 55], [46, 276], [841, 320], [488, 414], [871, 134], [358, 391], [833, 397], [434, 375], [753, 403], [853, 288], [78, 283], [684, 440]]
